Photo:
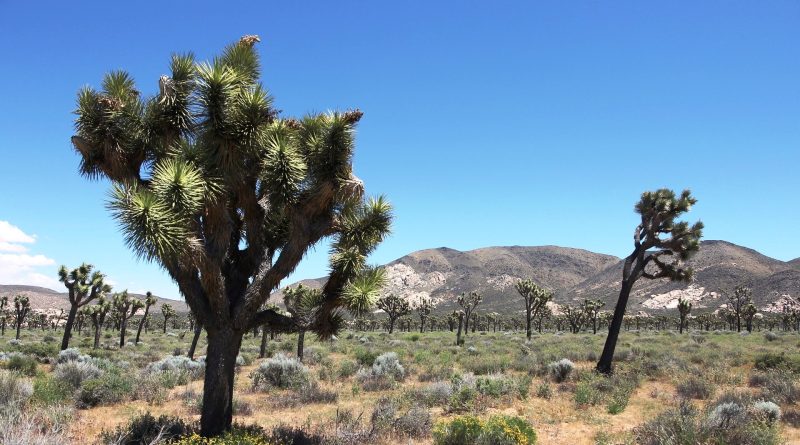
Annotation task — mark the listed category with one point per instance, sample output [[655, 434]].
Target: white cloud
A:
[[19, 267]]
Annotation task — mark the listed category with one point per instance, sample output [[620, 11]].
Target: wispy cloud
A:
[[19, 267]]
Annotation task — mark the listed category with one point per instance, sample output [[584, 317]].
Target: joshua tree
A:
[[83, 286], [228, 197], [167, 312], [576, 317], [22, 306], [4, 314], [748, 314], [592, 310], [459, 315], [659, 242], [536, 297], [125, 307], [737, 302], [98, 313], [395, 307], [149, 300], [684, 308], [301, 302], [468, 303], [424, 309]]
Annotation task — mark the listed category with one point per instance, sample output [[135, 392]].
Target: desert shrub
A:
[[364, 356], [70, 355], [107, 389], [184, 368], [791, 417], [777, 385], [14, 391], [347, 368], [37, 426], [385, 371], [727, 414], [21, 363], [433, 394], [280, 372], [491, 364], [559, 371], [42, 351], [50, 391], [695, 388], [497, 385], [145, 429], [306, 394], [769, 411], [464, 396], [73, 373], [586, 394], [414, 423], [497, 430], [151, 388], [544, 391], [771, 336], [770, 360]]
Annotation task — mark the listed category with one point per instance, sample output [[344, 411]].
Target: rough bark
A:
[[604, 364], [217, 411], [73, 312], [198, 329]]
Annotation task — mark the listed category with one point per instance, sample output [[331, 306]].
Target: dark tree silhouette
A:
[[83, 286]]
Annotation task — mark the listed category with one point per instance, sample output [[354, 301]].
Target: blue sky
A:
[[487, 123]]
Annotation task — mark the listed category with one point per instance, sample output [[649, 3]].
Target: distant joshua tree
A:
[[125, 308], [684, 308], [468, 303], [4, 313], [536, 298], [576, 317], [459, 316], [395, 307], [658, 211], [737, 302], [22, 306], [83, 286], [98, 313], [748, 314], [301, 302], [424, 308], [167, 311], [149, 300], [592, 310]]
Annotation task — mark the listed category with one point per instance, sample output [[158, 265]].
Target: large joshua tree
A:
[[535, 297], [83, 285], [149, 300], [228, 197], [661, 245]]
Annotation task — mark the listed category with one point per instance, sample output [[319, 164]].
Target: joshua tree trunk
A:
[[96, 336], [123, 325], [391, 325], [459, 342], [217, 411], [262, 352], [604, 365], [197, 330], [73, 312], [142, 323], [528, 323], [301, 340], [19, 325]]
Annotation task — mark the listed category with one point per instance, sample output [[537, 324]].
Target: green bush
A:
[[771, 360], [498, 430], [145, 429], [50, 391], [107, 389], [23, 364]]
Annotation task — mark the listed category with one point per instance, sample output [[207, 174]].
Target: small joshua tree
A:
[[22, 306], [167, 311], [468, 303], [4, 314], [301, 302], [423, 308], [592, 309], [98, 313], [395, 307], [535, 297], [748, 314], [661, 245], [149, 300], [684, 308], [125, 307], [83, 285], [737, 302]]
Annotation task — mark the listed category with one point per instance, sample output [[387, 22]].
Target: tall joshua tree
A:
[[167, 311], [395, 307], [535, 297], [592, 310], [125, 307], [22, 306], [684, 309], [661, 245], [228, 197], [149, 300], [423, 308], [737, 302], [98, 313], [83, 285], [468, 303]]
